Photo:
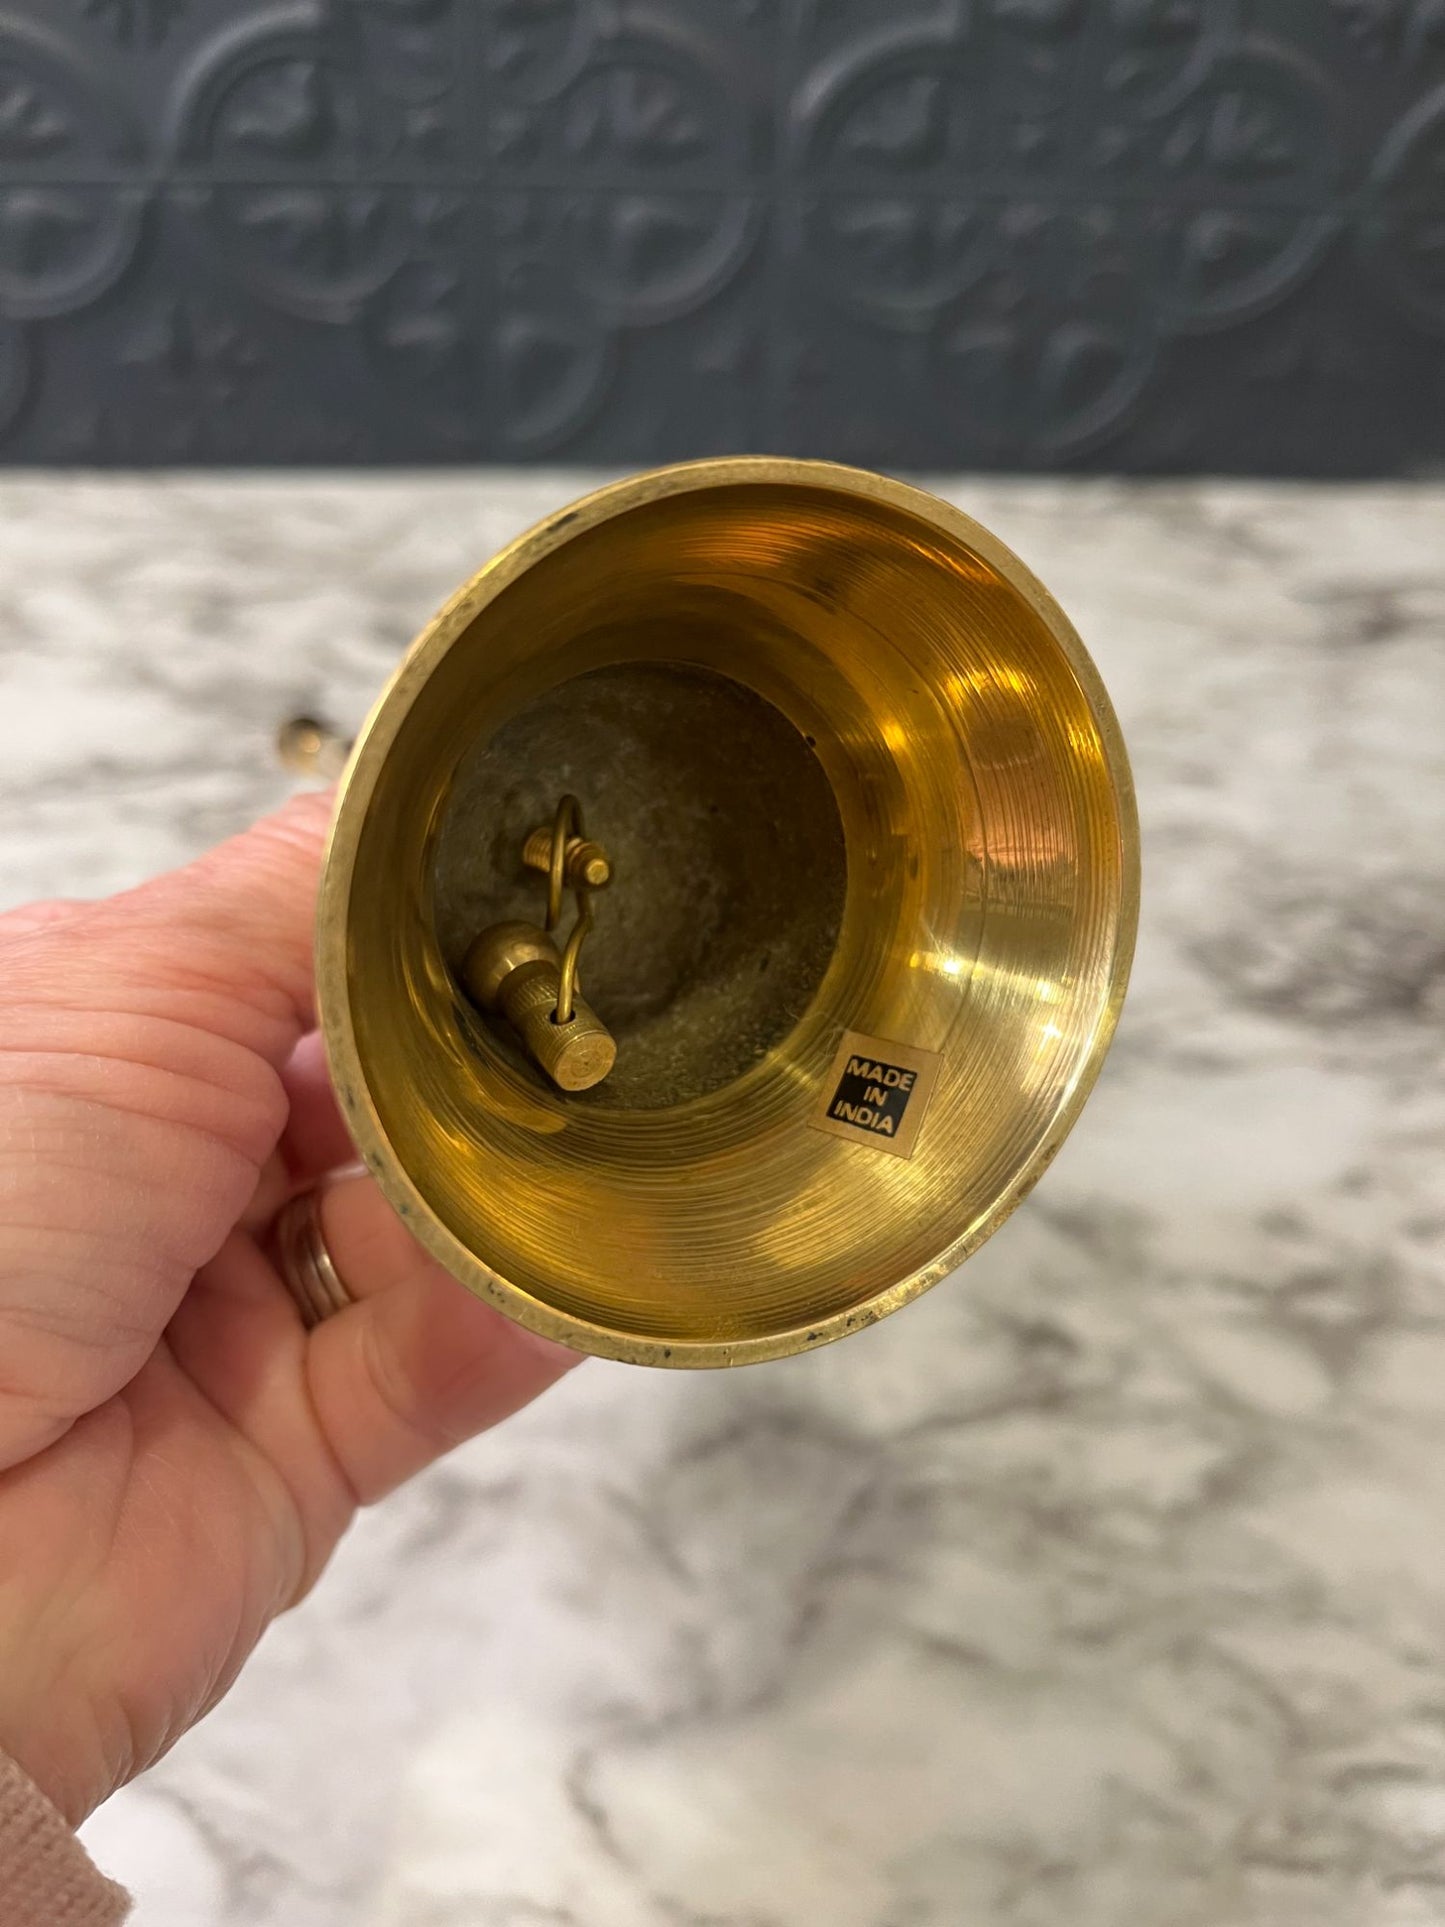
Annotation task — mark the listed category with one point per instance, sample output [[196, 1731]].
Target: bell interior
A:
[[852, 780], [728, 866]]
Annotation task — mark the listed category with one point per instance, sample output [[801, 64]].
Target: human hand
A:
[[178, 1455]]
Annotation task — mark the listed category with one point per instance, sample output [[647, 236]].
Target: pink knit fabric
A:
[[47, 1879]]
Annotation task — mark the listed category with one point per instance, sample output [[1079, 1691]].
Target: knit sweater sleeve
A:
[[46, 1877]]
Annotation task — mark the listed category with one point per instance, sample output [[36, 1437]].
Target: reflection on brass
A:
[[872, 882]]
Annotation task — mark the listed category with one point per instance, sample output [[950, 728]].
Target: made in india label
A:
[[877, 1093]]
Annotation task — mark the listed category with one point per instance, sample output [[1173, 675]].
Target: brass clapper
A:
[[515, 968]]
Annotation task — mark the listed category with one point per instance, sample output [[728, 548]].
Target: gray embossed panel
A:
[[1137, 234]]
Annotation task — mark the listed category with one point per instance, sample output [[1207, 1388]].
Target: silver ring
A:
[[304, 1262]]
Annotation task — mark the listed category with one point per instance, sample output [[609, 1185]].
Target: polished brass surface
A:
[[858, 777]]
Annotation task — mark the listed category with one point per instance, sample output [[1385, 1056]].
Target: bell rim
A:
[[357, 783]]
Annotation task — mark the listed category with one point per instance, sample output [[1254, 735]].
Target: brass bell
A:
[[729, 904]]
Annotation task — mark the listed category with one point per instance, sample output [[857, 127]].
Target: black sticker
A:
[[873, 1096], [877, 1092]]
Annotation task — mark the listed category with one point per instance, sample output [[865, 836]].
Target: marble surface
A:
[[1107, 1583]]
